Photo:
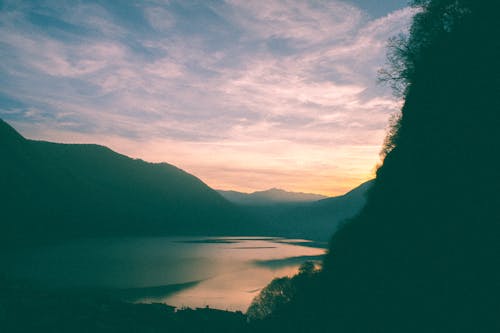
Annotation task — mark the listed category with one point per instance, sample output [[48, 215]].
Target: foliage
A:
[[279, 292], [423, 255], [390, 140], [274, 295]]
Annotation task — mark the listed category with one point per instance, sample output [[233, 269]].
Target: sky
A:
[[246, 95]]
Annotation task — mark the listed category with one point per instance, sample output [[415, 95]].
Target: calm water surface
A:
[[221, 272]]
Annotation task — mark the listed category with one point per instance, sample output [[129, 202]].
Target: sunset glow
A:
[[243, 95]]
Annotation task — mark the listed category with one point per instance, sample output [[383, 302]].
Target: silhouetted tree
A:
[[280, 291], [424, 254], [275, 294]]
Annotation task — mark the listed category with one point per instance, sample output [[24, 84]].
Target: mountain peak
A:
[[280, 195], [273, 190], [269, 197]]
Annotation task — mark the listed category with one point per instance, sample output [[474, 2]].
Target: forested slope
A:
[[424, 254]]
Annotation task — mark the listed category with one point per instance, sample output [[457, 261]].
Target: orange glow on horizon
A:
[[245, 167]]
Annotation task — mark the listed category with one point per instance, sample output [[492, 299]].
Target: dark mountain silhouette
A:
[[424, 253], [53, 191], [269, 197], [351, 202], [315, 220]]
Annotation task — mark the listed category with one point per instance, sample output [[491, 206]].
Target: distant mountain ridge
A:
[[269, 197], [316, 220]]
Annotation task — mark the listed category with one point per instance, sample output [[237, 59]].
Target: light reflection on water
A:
[[230, 270]]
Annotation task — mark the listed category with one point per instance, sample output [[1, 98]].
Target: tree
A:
[[280, 291], [275, 294], [424, 254]]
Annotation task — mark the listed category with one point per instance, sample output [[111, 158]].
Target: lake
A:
[[219, 272]]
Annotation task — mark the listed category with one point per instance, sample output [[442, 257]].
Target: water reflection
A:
[[221, 272]]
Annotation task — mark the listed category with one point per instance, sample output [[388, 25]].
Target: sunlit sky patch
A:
[[246, 95]]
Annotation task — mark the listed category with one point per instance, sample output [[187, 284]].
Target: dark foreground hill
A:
[[52, 191], [424, 254]]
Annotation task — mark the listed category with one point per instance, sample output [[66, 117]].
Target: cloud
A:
[[242, 87], [304, 22], [159, 18]]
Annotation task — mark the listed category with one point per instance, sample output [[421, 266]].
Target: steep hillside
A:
[[424, 254], [53, 191]]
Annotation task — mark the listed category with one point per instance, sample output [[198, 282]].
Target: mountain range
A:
[[269, 197], [52, 191], [316, 220]]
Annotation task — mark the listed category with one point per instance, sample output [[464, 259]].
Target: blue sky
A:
[[246, 95]]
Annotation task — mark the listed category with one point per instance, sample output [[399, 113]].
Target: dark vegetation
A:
[[280, 292], [27, 309], [424, 253]]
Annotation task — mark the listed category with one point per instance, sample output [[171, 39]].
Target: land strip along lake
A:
[[219, 272]]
